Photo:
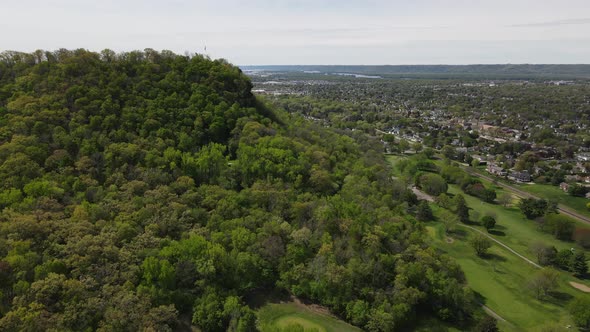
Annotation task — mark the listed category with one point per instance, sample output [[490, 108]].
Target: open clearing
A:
[[500, 281], [276, 316]]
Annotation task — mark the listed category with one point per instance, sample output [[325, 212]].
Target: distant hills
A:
[[500, 71]]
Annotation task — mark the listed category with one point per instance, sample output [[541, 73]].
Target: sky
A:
[[306, 32]]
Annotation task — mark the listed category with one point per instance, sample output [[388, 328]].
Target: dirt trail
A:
[[315, 308]]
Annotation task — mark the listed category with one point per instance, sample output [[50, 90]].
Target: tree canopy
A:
[[145, 187]]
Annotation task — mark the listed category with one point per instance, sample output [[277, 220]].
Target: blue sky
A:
[[311, 32]]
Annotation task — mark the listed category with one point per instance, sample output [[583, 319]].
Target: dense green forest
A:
[[153, 191]]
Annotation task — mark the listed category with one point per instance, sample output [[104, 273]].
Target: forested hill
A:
[[499, 71], [152, 191]]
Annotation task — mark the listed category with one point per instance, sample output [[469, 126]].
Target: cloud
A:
[[553, 23]]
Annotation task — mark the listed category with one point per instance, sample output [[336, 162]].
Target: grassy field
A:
[[553, 193], [275, 317], [501, 283], [501, 280], [393, 159], [549, 192], [512, 229]]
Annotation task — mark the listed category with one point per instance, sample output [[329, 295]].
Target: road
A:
[[523, 194]]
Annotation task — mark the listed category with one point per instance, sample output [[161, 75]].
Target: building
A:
[[564, 186], [496, 170], [520, 176]]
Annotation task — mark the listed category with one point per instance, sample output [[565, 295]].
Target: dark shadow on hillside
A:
[[260, 297]]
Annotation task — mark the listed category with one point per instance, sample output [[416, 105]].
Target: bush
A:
[[488, 324], [560, 226], [433, 184], [577, 190], [580, 311]]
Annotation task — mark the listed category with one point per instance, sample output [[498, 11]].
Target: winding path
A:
[[424, 196], [501, 244]]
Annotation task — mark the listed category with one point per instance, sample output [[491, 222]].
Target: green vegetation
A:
[[529, 298], [513, 228], [502, 280], [555, 194], [153, 191], [277, 317]]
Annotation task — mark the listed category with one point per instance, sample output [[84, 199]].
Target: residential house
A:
[[496, 170], [520, 176], [564, 186]]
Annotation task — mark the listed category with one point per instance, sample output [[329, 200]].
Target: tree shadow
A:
[[479, 298], [459, 233], [558, 298], [499, 227], [260, 297], [493, 257], [496, 232], [472, 223]]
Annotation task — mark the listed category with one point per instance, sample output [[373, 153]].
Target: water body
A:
[[357, 75]]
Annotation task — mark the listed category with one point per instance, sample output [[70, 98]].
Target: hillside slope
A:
[[142, 188]]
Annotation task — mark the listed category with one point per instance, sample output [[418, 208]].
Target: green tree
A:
[[560, 226], [579, 264], [533, 208], [487, 324], [403, 145], [480, 243], [461, 208], [546, 255], [505, 199], [544, 282], [423, 211], [488, 222], [449, 152], [433, 184], [579, 308]]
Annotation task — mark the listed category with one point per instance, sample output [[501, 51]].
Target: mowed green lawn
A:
[[502, 279], [553, 193], [549, 192], [513, 229], [501, 282], [393, 159], [275, 317]]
